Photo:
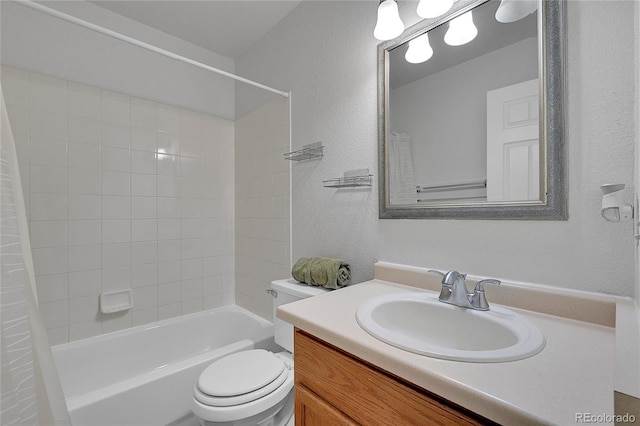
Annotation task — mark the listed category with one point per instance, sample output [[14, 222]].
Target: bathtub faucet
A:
[[454, 291]]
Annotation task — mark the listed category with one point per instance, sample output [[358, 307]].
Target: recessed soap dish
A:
[[116, 301]]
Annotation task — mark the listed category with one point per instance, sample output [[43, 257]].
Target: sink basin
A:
[[418, 322]]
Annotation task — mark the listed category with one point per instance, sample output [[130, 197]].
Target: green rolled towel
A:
[[322, 271]]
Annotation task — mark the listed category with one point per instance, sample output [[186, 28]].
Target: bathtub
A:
[[144, 375]]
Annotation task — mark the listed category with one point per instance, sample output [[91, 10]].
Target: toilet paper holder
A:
[[614, 208]]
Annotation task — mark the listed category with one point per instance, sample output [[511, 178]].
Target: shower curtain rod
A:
[[55, 13]]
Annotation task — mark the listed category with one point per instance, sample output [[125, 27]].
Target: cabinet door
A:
[[314, 411]]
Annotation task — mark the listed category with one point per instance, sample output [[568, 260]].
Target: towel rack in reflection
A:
[[474, 184]]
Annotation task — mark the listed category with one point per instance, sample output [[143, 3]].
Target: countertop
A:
[[572, 376]]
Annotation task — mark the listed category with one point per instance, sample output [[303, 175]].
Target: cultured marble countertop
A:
[[572, 376]]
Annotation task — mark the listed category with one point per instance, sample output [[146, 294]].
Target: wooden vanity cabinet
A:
[[334, 388]]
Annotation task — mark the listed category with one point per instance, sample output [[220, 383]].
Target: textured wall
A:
[[324, 53]]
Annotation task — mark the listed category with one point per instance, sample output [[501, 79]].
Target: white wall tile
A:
[[143, 185], [168, 186], [116, 231], [52, 287], [115, 159], [115, 183], [84, 258], [45, 124], [144, 275], [143, 114], [144, 252], [143, 162], [48, 233], [144, 316], [48, 206], [116, 207], [83, 156], [84, 130], [83, 181], [143, 139], [115, 189], [116, 135], [144, 230], [52, 180], [168, 272], [48, 152], [83, 309], [169, 250], [83, 101], [116, 278], [50, 260], [84, 206], [169, 293], [145, 297], [116, 254], [85, 283], [169, 119], [55, 314], [115, 108], [85, 330], [168, 229]]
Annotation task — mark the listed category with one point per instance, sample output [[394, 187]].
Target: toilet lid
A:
[[241, 373]]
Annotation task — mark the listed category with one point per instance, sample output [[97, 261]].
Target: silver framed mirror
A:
[[476, 131]]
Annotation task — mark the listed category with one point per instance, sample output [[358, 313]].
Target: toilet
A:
[[253, 387]]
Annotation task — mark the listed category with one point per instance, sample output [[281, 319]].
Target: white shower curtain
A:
[[30, 391], [402, 181]]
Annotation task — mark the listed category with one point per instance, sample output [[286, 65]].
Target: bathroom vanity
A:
[[343, 375]]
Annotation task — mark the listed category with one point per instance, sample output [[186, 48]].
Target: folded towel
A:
[[322, 271]]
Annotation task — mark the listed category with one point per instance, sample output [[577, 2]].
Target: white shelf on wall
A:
[[351, 179], [308, 152]]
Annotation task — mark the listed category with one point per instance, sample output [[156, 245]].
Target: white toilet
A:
[[253, 387]]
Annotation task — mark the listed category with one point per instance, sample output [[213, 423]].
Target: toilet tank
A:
[[287, 291]]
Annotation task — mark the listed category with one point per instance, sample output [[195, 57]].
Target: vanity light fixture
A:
[[389, 25], [514, 10], [433, 8], [419, 50], [461, 30]]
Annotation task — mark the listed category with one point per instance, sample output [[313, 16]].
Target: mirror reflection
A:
[[463, 112]]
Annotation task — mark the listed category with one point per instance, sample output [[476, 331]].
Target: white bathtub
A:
[[144, 375]]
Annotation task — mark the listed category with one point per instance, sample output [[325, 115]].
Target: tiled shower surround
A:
[[121, 193]]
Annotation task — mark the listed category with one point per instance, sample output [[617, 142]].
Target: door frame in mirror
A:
[[552, 65]]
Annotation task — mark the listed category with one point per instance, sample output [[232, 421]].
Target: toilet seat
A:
[[237, 392], [240, 378]]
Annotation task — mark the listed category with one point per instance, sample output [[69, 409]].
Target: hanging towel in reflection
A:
[[322, 271], [402, 182]]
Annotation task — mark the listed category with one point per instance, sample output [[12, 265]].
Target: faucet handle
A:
[[435, 271], [480, 284], [478, 298]]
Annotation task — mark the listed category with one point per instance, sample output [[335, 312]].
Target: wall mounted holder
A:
[[351, 179], [614, 208], [308, 152], [116, 301]]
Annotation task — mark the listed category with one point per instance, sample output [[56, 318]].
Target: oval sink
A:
[[418, 322]]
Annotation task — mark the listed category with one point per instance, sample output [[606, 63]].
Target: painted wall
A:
[[40, 43], [324, 53], [121, 193]]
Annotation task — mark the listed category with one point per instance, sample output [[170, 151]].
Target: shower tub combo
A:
[[145, 375]]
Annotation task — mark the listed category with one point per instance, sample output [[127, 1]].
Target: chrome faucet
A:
[[454, 291]]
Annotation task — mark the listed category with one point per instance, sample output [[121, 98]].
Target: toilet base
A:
[[280, 415]]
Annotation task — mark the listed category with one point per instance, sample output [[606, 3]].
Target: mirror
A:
[[477, 130]]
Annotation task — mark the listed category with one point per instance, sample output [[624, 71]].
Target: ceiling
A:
[[227, 27]]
